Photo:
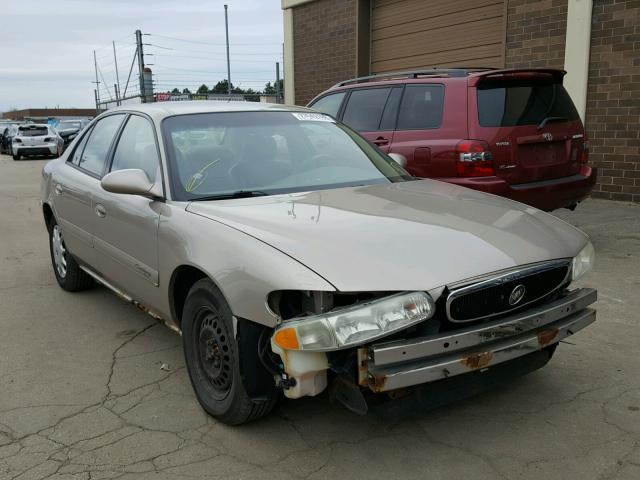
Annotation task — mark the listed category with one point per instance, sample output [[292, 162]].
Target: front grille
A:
[[501, 294]]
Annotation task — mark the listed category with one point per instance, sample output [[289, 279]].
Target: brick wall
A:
[[613, 98], [536, 33], [324, 39]]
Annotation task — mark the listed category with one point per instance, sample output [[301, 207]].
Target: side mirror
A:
[[399, 159], [132, 181]]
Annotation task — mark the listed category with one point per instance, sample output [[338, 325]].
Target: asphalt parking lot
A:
[[90, 387]]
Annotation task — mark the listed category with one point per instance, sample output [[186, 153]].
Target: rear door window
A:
[[94, 155], [364, 108], [421, 107], [330, 104], [512, 104]]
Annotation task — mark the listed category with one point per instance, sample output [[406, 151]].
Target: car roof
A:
[[167, 109]]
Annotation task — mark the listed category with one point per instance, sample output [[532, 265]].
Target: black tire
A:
[[16, 157], [211, 354], [73, 278]]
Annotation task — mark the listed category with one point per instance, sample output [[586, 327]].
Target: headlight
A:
[[355, 325], [583, 262]]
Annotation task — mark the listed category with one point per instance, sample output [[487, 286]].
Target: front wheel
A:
[[211, 354], [67, 271]]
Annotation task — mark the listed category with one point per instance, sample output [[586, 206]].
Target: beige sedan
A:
[[291, 253]]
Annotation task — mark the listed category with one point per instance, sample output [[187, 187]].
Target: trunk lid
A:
[[532, 127]]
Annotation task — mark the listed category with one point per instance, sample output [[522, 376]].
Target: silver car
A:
[[35, 139], [291, 253]]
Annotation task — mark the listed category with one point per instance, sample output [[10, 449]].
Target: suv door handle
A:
[[100, 210], [59, 189], [380, 141]]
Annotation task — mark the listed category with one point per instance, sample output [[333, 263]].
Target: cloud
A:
[[50, 46]]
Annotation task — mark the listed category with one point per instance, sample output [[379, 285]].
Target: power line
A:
[[213, 44]]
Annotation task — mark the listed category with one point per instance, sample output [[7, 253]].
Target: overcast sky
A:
[[46, 47]]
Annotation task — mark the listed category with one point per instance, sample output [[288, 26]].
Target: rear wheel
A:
[[16, 157], [67, 271], [211, 355]]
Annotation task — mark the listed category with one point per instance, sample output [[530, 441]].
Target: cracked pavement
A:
[[83, 394]]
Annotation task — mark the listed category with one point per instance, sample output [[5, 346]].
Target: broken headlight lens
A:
[[583, 262], [354, 325]]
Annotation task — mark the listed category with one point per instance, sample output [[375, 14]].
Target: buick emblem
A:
[[517, 294], [547, 136]]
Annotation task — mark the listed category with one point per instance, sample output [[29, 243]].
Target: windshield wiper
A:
[[236, 194], [551, 119]]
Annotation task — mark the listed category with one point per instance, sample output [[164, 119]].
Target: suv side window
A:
[[137, 148], [329, 104], [95, 152], [364, 108], [421, 107]]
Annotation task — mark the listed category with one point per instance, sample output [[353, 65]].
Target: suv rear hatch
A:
[[530, 123]]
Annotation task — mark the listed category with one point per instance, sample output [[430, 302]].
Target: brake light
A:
[[474, 159], [584, 159], [48, 139], [17, 140]]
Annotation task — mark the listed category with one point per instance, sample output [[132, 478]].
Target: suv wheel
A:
[[16, 157], [211, 355], [67, 271]]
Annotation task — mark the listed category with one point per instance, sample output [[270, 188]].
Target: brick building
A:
[[46, 114], [596, 41]]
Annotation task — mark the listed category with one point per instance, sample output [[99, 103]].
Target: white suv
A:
[[36, 139]]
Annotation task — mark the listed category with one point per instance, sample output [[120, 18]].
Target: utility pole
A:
[[95, 66], [277, 82], [95, 94], [115, 61], [226, 28], [116, 89], [143, 96]]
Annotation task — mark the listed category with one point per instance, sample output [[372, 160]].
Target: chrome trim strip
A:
[[507, 277], [406, 375], [400, 351]]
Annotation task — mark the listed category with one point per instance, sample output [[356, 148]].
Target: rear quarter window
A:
[[513, 104], [421, 107]]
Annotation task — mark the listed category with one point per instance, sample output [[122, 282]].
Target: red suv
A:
[[514, 133]]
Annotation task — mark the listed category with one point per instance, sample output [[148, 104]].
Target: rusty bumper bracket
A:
[[401, 364]]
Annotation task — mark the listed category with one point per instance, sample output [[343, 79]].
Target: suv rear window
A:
[[512, 104], [33, 131]]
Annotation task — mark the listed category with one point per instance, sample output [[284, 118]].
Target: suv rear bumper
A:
[[393, 365], [27, 151], [545, 195]]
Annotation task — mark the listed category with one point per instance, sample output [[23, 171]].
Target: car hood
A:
[[416, 235]]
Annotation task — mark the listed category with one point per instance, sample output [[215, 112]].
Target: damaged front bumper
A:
[[389, 366]]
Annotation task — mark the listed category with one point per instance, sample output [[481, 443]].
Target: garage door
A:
[[413, 34]]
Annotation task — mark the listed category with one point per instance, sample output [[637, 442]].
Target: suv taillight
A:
[[474, 159], [584, 159], [17, 140]]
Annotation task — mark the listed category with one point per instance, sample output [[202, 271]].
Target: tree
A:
[[186, 91], [175, 91], [203, 89], [221, 87], [271, 89]]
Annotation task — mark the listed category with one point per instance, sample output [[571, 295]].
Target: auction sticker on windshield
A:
[[314, 117]]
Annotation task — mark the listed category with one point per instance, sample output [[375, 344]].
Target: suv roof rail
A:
[[433, 72]]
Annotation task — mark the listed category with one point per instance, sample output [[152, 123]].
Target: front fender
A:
[[244, 268]]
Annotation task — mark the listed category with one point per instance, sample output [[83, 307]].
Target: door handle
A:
[[380, 141], [100, 210], [58, 189]]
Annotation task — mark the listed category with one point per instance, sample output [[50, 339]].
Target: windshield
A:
[[216, 154], [68, 125]]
